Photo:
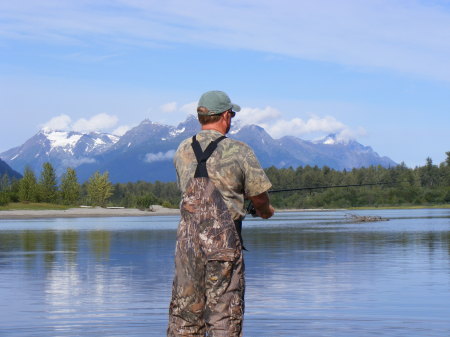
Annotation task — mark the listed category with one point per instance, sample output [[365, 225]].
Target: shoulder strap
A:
[[203, 156]]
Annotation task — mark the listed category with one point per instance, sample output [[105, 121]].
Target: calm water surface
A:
[[308, 274]]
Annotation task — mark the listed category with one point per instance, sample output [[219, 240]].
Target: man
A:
[[215, 174]]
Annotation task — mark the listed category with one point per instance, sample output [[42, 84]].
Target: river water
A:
[[308, 274]]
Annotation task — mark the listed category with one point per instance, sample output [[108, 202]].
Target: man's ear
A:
[[224, 115]]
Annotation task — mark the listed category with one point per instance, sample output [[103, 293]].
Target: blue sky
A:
[[377, 71]]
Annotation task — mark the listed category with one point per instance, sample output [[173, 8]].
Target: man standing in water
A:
[[215, 174]]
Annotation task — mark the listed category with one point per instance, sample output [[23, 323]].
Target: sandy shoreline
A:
[[82, 212], [85, 213]]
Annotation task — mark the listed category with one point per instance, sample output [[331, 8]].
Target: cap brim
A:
[[235, 107]]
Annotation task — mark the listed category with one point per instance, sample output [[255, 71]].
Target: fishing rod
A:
[[251, 209]]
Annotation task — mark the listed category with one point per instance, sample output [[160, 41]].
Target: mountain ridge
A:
[[145, 151], [6, 169]]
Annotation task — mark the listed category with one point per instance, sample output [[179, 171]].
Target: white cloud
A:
[[347, 134], [189, 108], [300, 127], [174, 112], [160, 156], [271, 119], [406, 36], [60, 123], [256, 115], [121, 130], [273, 122], [98, 122], [169, 107]]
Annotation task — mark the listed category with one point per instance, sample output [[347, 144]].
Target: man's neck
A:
[[215, 127]]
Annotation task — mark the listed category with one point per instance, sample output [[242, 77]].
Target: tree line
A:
[[96, 191], [424, 185], [402, 186]]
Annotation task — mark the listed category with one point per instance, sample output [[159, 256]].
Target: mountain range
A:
[[145, 152]]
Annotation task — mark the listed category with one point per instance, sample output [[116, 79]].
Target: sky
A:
[[376, 71]]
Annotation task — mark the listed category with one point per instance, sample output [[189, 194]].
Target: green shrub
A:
[[167, 204], [145, 201], [4, 198]]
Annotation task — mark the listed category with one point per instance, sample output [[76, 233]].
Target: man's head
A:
[[213, 104]]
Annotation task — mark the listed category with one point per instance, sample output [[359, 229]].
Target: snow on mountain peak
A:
[[329, 141], [113, 138], [67, 141], [62, 139], [332, 139], [176, 132]]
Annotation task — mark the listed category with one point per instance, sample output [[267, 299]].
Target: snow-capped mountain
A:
[[349, 154], [145, 152], [150, 136], [61, 148], [292, 151]]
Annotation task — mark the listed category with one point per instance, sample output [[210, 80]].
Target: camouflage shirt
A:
[[233, 168]]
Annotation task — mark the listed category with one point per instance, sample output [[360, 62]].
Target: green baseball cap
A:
[[217, 102]]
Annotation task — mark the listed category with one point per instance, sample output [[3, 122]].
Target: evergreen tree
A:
[[429, 174], [5, 182], [447, 160], [99, 189], [70, 188], [28, 190], [446, 170], [4, 187], [48, 187], [4, 198]]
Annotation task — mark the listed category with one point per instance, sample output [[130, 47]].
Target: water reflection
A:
[[312, 274], [100, 244], [341, 279], [85, 281]]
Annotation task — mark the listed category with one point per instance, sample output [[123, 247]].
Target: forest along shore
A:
[[86, 212]]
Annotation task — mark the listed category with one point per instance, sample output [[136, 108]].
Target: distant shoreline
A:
[[95, 212], [85, 213], [92, 212]]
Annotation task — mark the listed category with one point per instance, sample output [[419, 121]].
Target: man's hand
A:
[[262, 205], [267, 214]]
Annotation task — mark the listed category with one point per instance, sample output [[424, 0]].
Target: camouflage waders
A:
[[208, 287]]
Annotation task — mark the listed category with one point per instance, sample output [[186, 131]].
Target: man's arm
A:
[[262, 205]]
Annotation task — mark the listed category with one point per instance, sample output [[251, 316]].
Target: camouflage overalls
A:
[[208, 287]]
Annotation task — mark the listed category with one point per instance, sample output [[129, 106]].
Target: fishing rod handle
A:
[[251, 209]]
